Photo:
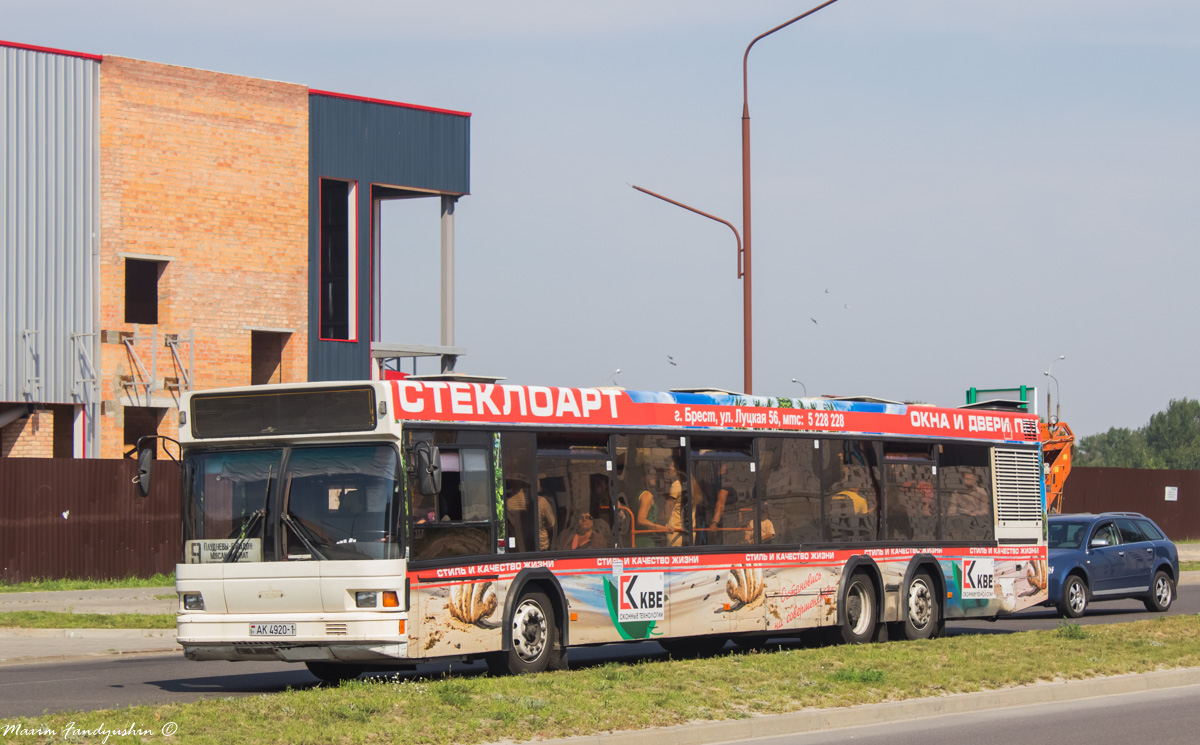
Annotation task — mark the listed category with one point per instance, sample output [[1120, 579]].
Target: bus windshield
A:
[[302, 504]]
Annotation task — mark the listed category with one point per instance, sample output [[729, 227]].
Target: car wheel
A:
[[333, 672], [1162, 593], [859, 617], [534, 638], [1074, 597]]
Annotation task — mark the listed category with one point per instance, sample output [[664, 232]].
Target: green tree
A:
[[1170, 440], [1174, 435]]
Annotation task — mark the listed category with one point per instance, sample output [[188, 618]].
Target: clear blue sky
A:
[[985, 185]]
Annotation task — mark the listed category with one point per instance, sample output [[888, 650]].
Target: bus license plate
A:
[[272, 629]]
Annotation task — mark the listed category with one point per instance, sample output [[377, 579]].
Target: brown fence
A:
[[65, 518], [1137, 490]]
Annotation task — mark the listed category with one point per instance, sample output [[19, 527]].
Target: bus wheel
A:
[[859, 617], [922, 617], [334, 672], [534, 638]]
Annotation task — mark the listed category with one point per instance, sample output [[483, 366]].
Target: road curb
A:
[[811, 720], [109, 634], [93, 657]]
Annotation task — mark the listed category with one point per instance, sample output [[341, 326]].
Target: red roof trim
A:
[[315, 92], [51, 50]]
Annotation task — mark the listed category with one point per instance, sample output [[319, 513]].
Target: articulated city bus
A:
[[381, 524]]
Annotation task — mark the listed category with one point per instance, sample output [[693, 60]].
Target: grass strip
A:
[[657, 692], [1189, 566], [53, 585], [42, 619]]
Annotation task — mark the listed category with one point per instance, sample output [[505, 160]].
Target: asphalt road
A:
[[1164, 717], [30, 690]]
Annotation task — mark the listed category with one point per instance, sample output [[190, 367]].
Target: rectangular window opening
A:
[[141, 421], [266, 357], [339, 260], [141, 290]]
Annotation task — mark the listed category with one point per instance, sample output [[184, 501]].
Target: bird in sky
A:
[[826, 290], [813, 320], [671, 360]]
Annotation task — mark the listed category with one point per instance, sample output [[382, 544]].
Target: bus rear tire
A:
[[334, 673], [534, 643], [922, 610], [860, 616]]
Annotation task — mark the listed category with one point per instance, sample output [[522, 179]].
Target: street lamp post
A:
[[1057, 391], [747, 331], [802, 387]]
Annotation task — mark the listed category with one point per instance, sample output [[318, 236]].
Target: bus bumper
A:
[[314, 639]]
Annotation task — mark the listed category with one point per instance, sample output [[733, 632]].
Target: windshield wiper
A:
[[249, 525], [302, 533]]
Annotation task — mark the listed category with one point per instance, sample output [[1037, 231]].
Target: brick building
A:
[[166, 228]]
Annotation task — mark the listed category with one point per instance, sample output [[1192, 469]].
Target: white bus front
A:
[[293, 551]]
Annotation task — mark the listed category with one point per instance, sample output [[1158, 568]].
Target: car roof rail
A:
[[1124, 514]]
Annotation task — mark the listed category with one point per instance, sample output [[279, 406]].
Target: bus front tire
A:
[[534, 638], [334, 672], [861, 613]]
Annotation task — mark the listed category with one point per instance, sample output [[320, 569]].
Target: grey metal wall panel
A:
[[49, 225], [373, 143]]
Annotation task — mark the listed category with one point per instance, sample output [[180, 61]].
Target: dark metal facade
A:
[[381, 144], [66, 518], [1138, 490]]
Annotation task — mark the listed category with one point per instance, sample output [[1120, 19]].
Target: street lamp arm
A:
[[746, 56], [736, 235]]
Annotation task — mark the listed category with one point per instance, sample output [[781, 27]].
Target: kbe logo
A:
[[978, 578], [640, 597]]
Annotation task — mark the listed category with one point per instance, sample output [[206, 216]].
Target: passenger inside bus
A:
[[674, 502], [588, 532], [647, 530], [852, 515]]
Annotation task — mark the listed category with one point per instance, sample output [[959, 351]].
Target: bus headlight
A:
[[366, 599], [193, 601]]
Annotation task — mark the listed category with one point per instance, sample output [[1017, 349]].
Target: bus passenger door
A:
[[726, 516]]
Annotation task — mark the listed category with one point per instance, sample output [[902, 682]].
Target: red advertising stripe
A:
[[475, 402]]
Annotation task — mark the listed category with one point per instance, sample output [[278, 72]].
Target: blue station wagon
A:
[[1110, 556]]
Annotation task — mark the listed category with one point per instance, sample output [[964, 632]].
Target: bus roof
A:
[[542, 405], [250, 411]]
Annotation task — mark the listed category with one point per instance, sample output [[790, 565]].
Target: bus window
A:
[[516, 451], [456, 522], [574, 485], [652, 498], [724, 496], [578, 490], [910, 492], [851, 489], [791, 487], [966, 481]]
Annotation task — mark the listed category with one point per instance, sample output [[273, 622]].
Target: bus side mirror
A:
[[145, 461], [429, 469]]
